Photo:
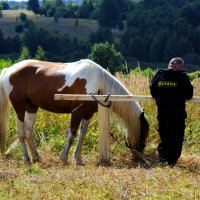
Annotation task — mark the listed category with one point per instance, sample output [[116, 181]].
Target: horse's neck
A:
[[128, 112], [109, 84]]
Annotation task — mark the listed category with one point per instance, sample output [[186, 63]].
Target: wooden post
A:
[[104, 135]]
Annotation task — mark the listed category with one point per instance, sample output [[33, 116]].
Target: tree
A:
[[31, 39], [107, 56], [5, 5], [34, 6], [19, 28], [13, 44], [86, 9], [137, 48], [158, 45], [25, 54], [191, 13], [59, 3], [101, 35], [76, 23], [1, 12], [23, 17], [2, 42], [112, 12], [40, 54], [108, 13]]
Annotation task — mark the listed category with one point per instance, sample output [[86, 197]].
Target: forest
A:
[[151, 32]]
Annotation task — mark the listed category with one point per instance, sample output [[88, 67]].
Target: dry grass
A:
[[49, 180], [124, 179], [64, 26]]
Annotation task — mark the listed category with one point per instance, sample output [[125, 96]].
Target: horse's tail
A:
[[4, 109]]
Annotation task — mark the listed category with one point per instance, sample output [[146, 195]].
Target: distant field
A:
[[65, 26]]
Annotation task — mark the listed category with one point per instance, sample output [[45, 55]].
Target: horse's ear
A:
[[142, 115], [144, 121]]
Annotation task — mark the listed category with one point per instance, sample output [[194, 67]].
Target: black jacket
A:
[[171, 88]]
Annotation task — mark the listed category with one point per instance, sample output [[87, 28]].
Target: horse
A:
[[31, 84]]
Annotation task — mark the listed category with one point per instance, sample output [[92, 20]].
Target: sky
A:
[[17, 0]]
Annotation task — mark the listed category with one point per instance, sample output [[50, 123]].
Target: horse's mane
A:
[[128, 111]]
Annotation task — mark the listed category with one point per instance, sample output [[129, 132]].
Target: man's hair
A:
[[177, 60]]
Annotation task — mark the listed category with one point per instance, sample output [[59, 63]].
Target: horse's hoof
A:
[[80, 163], [27, 162], [63, 159], [37, 160], [63, 163]]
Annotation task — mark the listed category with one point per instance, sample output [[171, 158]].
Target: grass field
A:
[[65, 26], [124, 179]]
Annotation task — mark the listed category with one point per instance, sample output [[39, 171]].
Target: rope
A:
[[142, 157], [126, 145], [101, 103]]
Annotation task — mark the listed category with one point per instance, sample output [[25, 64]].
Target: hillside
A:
[[64, 26]]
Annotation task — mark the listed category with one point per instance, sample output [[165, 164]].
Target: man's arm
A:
[[188, 88], [153, 86]]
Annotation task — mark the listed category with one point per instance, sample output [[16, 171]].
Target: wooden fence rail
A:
[[103, 116], [83, 97]]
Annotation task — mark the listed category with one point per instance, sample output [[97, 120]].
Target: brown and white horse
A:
[[31, 84]]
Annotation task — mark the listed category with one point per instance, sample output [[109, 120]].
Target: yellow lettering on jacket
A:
[[167, 84]]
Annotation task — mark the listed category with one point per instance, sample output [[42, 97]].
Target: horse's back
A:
[[28, 73], [33, 83]]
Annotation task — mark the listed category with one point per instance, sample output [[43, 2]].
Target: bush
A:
[[19, 28], [107, 56], [194, 75], [4, 63], [23, 17]]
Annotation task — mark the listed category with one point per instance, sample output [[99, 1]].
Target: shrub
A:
[[19, 28], [23, 17], [5, 63]]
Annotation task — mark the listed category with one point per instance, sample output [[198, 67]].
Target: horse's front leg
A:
[[77, 152]]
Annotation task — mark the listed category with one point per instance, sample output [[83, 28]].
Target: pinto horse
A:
[[31, 84]]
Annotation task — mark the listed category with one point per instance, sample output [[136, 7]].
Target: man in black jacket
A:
[[170, 88]]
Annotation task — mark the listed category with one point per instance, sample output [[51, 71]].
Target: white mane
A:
[[129, 111]]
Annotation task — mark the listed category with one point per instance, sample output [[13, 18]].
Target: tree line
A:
[[154, 31]]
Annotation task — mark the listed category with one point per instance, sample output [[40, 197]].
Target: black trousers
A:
[[171, 130]]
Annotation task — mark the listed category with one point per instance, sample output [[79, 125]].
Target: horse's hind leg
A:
[[77, 152], [29, 122], [22, 137]]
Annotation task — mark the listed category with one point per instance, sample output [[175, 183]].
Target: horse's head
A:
[[139, 145]]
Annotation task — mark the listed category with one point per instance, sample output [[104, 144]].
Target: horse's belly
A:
[[60, 106]]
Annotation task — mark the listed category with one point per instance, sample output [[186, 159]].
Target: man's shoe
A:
[[162, 162]]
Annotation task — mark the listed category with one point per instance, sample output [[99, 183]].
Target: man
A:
[[170, 88]]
